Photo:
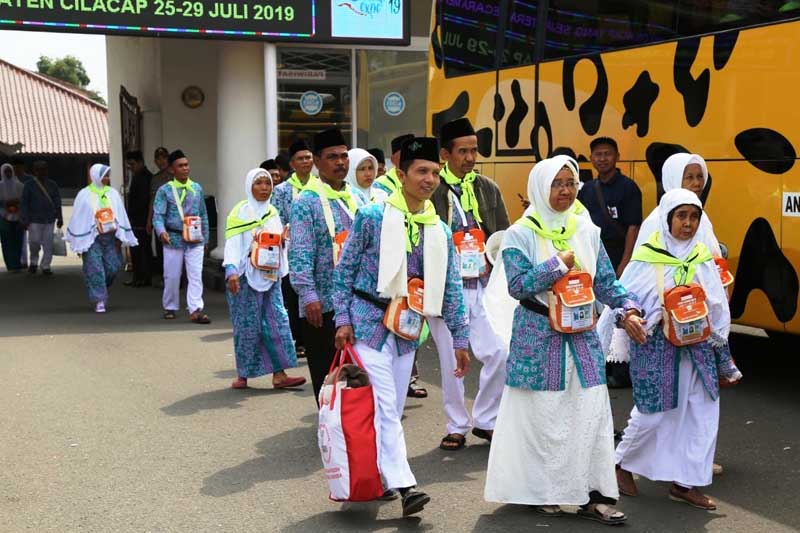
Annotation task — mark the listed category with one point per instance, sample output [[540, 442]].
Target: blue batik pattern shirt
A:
[[311, 249], [358, 270], [166, 216]]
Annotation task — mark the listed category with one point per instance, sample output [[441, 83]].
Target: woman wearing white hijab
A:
[[682, 171], [361, 174], [553, 443], [11, 232], [261, 334], [672, 432], [98, 243]]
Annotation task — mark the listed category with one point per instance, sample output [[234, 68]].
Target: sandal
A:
[[198, 317], [600, 512], [485, 434], [692, 496], [239, 383], [454, 438], [415, 391], [300, 352], [549, 510], [169, 315], [289, 382]]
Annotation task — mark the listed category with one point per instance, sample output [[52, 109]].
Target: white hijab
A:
[[671, 179], [82, 228], [10, 189], [357, 156], [585, 243], [639, 278], [237, 248]]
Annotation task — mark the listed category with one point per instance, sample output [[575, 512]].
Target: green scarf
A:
[[235, 225], [559, 237], [427, 217], [653, 251], [390, 180], [469, 202], [183, 187], [297, 184], [101, 194], [323, 189]]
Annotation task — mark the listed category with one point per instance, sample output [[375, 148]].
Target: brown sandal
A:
[[456, 440], [692, 496], [199, 317]]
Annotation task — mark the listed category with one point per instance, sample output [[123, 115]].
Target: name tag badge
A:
[[613, 212]]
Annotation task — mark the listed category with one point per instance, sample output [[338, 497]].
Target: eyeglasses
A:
[[570, 185]]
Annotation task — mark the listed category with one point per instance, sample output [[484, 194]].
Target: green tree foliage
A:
[[69, 69]]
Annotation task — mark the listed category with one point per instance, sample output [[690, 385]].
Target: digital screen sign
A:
[[317, 21]]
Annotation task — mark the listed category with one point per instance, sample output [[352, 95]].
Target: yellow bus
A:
[[712, 77]]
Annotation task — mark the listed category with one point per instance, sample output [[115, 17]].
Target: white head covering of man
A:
[[357, 156], [672, 178], [640, 279]]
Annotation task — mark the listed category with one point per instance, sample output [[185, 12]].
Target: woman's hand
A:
[[634, 327], [568, 257], [233, 284]]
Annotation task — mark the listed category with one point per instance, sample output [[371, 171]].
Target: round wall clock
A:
[[193, 97]]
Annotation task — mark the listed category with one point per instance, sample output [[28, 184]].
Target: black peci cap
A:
[[397, 142], [328, 138], [174, 156], [426, 148], [454, 129]]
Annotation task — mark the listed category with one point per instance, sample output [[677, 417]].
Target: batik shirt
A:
[[282, 197], [167, 218], [358, 270], [311, 251], [537, 358]]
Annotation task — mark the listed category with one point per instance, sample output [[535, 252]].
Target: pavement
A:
[[126, 422]]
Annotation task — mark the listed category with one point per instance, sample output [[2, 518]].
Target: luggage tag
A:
[[105, 220], [192, 229]]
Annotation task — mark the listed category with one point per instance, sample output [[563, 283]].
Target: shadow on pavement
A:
[[289, 455], [226, 398], [358, 517], [450, 467]]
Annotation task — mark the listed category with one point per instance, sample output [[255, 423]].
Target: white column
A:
[[241, 140], [271, 97]]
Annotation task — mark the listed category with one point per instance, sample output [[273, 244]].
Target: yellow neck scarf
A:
[[469, 202], [427, 217]]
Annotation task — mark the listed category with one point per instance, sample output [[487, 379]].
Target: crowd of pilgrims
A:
[[324, 260]]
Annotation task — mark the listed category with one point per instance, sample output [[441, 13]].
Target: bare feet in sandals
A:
[[453, 442], [600, 512]]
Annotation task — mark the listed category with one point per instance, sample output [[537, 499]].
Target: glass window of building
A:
[[469, 35]]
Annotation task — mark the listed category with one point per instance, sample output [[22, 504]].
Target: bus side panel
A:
[[790, 234]]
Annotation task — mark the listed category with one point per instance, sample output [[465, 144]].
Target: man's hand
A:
[[568, 256], [621, 268], [233, 284], [462, 363], [634, 327], [164, 237], [345, 335], [314, 314]]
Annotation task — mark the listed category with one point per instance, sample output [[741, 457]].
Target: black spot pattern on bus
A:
[[436, 44], [766, 150], [638, 101], [485, 137], [542, 122], [694, 91], [724, 43], [457, 110], [499, 108], [591, 111], [657, 153], [763, 266], [517, 115]]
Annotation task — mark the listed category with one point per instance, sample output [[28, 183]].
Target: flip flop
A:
[[549, 510], [239, 383], [169, 315], [200, 318], [289, 383], [600, 512], [415, 391]]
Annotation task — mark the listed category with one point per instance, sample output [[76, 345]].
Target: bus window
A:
[[469, 35], [578, 27], [520, 36], [712, 16]]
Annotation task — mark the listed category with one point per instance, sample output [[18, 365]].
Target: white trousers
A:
[[490, 350], [174, 259], [389, 373], [41, 236]]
